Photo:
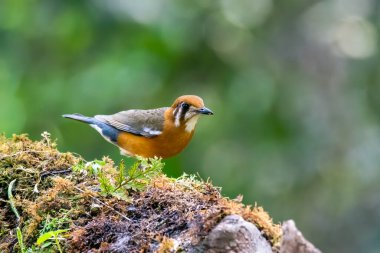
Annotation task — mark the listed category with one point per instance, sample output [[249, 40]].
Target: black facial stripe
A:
[[183, 116], [181, 111], [184, 109]]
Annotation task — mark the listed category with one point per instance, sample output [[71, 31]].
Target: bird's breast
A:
[[169, 143]]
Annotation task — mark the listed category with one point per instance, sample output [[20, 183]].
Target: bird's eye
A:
[[185, 106]]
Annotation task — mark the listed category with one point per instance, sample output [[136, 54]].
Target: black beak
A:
[[205, 111]]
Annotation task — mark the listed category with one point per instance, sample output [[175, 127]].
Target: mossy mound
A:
[[80, 206]]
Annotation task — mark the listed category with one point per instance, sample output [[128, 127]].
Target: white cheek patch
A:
[[177, 115], [188, 115], [190, 124], [151, 131], [176, 122]]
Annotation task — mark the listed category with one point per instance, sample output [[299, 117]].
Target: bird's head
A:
[[187, 109]]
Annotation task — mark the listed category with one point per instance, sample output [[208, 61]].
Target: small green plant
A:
[[140, 174], [50, 231], [12, 199], [43, 242], [14, 209], [117, 183], [55, 223], [20, 240], [92, 168]]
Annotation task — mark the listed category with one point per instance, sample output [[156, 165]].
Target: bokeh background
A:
[[295, 87]]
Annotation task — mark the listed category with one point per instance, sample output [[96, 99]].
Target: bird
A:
[[162, 132]]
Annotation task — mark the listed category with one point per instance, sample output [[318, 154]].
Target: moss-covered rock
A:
[[101, 207]]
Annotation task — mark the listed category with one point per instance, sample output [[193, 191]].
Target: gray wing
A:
[[148, 123]]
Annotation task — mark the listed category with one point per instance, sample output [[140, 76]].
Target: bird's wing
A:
[[148, 123]]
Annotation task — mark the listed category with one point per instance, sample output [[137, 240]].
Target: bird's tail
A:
[[108, 132], [79, 117]]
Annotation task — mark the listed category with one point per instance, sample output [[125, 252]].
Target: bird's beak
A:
[[205, 111]]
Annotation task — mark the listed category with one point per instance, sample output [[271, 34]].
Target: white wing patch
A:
[[190, 124], [151, 131]]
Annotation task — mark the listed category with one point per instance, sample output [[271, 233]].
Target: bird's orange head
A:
[[186, 111], [189, 99]]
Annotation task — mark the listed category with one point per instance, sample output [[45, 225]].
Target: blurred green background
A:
[[295, 87]]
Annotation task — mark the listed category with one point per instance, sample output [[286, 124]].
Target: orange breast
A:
[[170, 142]]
